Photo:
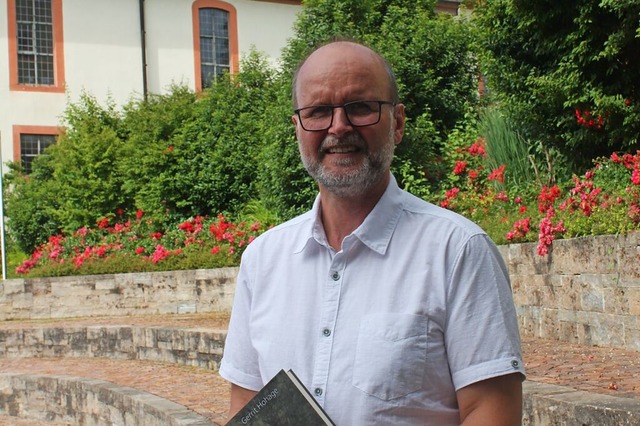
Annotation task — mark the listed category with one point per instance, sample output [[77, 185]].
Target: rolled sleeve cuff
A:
[[238, 377], [488, 370]]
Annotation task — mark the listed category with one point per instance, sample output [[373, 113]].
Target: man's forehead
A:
[[342, 62], [342, 52]]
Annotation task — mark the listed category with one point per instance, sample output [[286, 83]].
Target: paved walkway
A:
[[607, 371]]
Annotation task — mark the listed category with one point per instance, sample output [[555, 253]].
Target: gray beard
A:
[[356, 182]]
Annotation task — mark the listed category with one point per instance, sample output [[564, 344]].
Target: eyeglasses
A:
[[359, 114]]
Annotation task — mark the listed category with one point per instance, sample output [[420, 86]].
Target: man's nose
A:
[[340, 124]]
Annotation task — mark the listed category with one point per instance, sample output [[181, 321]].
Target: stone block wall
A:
[[587, 290], [75, 401], [192, 346], [552, 405], [202, 290]]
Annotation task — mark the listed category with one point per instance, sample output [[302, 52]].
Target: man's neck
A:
[[343, 215]]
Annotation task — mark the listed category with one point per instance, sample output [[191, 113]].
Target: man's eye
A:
[[360, 108], [319, 111]]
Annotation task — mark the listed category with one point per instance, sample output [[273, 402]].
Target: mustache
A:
[[332, 142]]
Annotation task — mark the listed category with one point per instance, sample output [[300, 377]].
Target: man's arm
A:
[[239, 398], [496, 401]]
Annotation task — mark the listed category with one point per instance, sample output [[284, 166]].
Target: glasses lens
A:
[[316, 117], [359, 114], [363, 113]]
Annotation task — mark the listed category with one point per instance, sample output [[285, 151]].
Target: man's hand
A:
[[239, 398], [495, 402]]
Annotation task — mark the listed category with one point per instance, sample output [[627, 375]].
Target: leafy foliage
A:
[[126, 244], [74, 182], [566, 71], [565, 75], [431, 57], [150, 155], [506, 147], [31, 204]]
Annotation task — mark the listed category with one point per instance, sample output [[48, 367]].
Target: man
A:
[[392, 311]]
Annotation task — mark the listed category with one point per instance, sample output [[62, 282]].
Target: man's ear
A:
[[294, 118], [399, 119]]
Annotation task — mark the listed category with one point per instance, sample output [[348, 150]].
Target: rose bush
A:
[[605, 200], [134, 244]]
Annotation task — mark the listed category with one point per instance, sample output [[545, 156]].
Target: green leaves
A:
[[545, 60]]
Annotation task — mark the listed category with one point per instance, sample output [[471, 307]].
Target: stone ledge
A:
[[586, 291], [168, 292], [74, 400], [193, 347], [550, 405], [544, 404]]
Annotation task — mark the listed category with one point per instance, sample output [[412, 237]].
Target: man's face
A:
[[347, 160]]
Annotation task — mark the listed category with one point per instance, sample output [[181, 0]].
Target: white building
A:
[[52, 51]]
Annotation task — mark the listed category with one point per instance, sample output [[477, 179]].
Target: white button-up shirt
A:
[[416, 305]]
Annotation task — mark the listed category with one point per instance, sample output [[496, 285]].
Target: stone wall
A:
[[552, 405], [194, 347], [587, 290], [202, 290], [76, 401]]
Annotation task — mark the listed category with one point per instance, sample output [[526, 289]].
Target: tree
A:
[[74, 182], [183, 154], [430, 54], [567, 72]]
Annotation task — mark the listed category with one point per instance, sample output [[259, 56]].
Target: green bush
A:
[[430, 54], [74, 182], [567, 72], [151, 152], [219, 162], [31, 204], [505, 146]]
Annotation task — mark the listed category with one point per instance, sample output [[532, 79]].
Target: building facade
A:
[[53, 51]]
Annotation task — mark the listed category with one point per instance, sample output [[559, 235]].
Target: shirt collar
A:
[[376, 230]]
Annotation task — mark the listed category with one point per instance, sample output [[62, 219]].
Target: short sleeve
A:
[[239, 363], [481, 331]]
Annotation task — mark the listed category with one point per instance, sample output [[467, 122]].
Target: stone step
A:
[[126, 351], [76, 400]]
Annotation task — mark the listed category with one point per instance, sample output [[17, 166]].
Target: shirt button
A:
[[326, 332], [335, 276], [318, 391]]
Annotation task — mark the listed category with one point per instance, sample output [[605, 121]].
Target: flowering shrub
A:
[[606, 200], [586, 119], [137, 244]]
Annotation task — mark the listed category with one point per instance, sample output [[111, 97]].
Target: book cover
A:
[[283, 401]]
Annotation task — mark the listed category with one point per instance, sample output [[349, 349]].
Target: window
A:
[[215, 40], [35, 45], [214, 43], [31, 146], [31, 141]]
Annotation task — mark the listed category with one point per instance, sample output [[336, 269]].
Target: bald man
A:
[[391, 310]]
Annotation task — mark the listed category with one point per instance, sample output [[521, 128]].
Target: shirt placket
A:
[[325, 335]]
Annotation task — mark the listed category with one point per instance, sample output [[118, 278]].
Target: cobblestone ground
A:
[[202, 391], [607, 371]]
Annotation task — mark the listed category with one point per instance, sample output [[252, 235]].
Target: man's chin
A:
[[349, 186]]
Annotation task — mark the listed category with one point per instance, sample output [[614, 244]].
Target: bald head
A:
[[337, 57]]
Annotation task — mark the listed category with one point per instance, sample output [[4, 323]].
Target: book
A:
[[283, 401]]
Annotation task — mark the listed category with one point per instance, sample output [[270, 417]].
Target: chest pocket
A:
[[391, 355]]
